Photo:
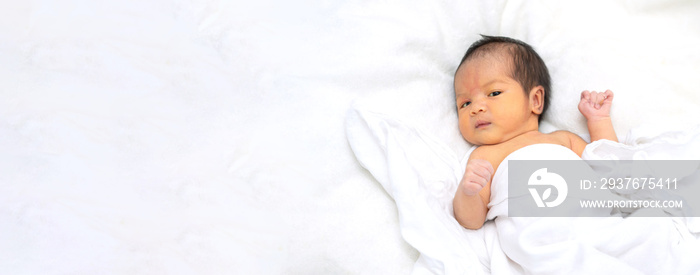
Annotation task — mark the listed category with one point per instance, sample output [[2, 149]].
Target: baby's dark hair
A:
[[528, 68]]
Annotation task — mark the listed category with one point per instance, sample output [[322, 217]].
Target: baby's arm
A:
[[596, 108], [473, 194]]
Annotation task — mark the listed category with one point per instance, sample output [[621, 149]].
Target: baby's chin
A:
[[479, 141], [476, 141], [483, 143]]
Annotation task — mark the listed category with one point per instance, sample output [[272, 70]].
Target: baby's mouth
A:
[[481, 124]]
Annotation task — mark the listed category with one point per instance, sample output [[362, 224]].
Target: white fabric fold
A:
[[587, 245], [421, 174]]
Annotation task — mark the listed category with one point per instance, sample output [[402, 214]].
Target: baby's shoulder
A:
[[480, 152], [570, 140], [492, 153], [561, 134]]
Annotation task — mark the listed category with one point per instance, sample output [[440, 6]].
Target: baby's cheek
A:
[[470, 137], [463, 132], [464, 129]]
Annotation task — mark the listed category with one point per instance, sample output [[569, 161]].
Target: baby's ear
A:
[[537, 99]]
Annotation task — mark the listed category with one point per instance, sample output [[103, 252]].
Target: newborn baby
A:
[[502, 88]]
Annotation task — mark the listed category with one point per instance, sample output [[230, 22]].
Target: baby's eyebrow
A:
[[493, 82], [461, 95]]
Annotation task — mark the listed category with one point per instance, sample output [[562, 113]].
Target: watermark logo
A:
[[603, 188], [542, 177]]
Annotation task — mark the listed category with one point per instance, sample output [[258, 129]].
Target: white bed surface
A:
[[200, 136]]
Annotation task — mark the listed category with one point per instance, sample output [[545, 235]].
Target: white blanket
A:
[[421, 174], [593, 245], [208, 136], [422, 181]]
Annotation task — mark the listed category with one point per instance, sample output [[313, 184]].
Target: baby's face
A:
[[492, 107]]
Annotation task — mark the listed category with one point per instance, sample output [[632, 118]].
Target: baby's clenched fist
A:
[[595, 105], [476, 176]]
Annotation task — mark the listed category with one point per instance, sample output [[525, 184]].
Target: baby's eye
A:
[[495, 93], [466, 104]]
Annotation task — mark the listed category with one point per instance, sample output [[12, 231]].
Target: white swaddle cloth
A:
[[421, 174], [586, 245]]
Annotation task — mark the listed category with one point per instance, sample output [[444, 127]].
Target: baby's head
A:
[[502, 90]]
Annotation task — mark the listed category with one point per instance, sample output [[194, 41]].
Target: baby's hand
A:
[[477, 175], [595, 105]]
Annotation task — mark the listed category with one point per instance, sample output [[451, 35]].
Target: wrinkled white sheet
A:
[[207, 136], [612, 245], [627, 50], [421, 174]]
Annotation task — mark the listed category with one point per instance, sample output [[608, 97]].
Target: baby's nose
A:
[[478, 107]]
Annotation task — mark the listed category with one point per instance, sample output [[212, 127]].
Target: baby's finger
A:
[[473, 178], [609, 95], [471, 190], [487, 165], [481, 182], [482, 171], [604, 97], [481, 168], [597, 99], [586, 95]]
